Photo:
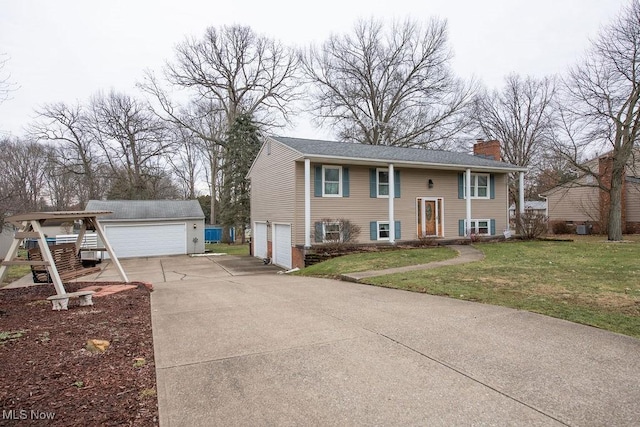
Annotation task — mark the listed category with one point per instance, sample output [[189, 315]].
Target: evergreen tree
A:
[[242, 146]]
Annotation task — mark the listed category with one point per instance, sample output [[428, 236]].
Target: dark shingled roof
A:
[[320, 148], [148, 209]]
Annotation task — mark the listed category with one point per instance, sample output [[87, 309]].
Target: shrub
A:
[[533, 225], [561, 227]]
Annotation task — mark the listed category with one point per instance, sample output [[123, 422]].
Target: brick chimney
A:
[[605, 169], [488, 149]]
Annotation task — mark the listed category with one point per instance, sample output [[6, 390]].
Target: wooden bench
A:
[[61, 302], [66, 259]]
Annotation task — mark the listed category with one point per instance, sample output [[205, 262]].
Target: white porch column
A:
[[307, 203], [467, 183], [521, 192], [392, 196]]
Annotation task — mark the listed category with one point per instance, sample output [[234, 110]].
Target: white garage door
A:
[[147, 240], [282, 245], [259, 235]]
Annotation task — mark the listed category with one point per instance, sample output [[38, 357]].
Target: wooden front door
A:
[[429, 213]]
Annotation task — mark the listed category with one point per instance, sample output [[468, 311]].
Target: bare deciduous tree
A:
[[602, 107], [133, 139], [5, 79], [185, 161], [69, 126], [521, 117], [22, 180], [388, 86], [238, 70], [230, 71]]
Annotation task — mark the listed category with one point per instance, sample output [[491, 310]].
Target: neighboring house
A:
[[141, 228], [301, 190], [6, 238], [581, 202], [538, 207]]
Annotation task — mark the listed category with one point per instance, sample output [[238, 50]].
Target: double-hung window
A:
[[331, 181], [383, 230], [382, 176], [480, 185], [331, 232]]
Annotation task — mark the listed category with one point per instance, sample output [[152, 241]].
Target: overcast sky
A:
[[64, 50]]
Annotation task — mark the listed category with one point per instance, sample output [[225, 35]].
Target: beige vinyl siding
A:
[[574, 204], [272, 184], [633, 202], [361, 209]]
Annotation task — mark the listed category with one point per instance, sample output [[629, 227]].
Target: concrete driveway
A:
[[270, 349]]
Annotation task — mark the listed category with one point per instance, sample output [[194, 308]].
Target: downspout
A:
[[521, 192], [392, 223], [467, 222], [307, 203]]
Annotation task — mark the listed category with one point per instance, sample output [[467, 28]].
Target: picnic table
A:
[[30, 227]]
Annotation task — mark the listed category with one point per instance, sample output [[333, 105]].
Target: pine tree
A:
[[242, 146]]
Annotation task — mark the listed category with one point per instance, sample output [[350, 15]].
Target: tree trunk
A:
[[614, 225]]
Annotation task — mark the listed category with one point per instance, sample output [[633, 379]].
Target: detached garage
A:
[[143, 228]]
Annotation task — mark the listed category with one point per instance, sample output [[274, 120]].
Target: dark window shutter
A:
[[492, 229], [492, 186], [317, 182], [461, 227], [318, 234], [345, 182], [460, 186], [396, 183], [373, 184], [397, 231], [373, 230]]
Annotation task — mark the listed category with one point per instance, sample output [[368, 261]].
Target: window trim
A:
[[324, 232], [339, 168], [378, 195], [474, 185], [378, 224]]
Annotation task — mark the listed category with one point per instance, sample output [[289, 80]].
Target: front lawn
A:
[[587, 281], [377, 261]]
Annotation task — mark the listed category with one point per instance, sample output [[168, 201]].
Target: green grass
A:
[[235, 249], [15, 272], [587, 281], [377, 261]]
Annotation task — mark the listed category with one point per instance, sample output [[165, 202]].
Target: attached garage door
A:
[[282, 245], [259, 236], [147, 239]]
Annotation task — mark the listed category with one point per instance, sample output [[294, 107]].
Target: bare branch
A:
[[390, 87]]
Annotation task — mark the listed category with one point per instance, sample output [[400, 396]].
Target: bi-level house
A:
[[302, 190]]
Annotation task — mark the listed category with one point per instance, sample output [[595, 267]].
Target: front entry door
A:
[[429, 213]]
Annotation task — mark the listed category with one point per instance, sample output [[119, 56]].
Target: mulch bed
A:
[[47, 371]]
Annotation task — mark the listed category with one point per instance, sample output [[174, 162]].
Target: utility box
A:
[[582, 229]]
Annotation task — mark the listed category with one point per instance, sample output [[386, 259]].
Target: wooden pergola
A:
[[30, 227]]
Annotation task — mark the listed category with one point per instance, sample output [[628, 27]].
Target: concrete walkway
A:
[[270, 349], [466, 253]]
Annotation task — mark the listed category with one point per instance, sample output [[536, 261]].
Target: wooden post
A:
[[108, 247], [46, 255]]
